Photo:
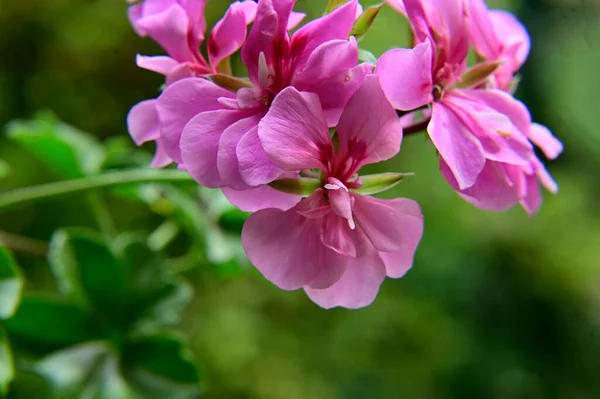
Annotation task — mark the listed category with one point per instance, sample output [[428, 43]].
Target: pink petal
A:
[[544, 177], [405, 76], [334, 26], [159, 64], [398, 262], [513, 36], [493, 190], [500, 139], [503, 103], [270, 26], [357, 287], [294, 132], [227, 161], [229, 33], [543, 138], [142, 122], [390, 225], [533, 200], [295, 19], [261, 197], [200, 144], [397, 5], [456, 145], [169, 29], [336, 235], [327, 60], [255, 166], [369, 130], [286, 247], [482, 31], [335, 91], [180, 102], [161, 159]]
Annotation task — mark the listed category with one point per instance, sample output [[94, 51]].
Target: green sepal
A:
[[367, 56], [303, 186], [228, 82], [364, 22], [373, 184], [477, 74]]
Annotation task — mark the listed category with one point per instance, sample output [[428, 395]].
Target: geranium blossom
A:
[[483, 135], [214, 132], [179, 27], [336, 244]]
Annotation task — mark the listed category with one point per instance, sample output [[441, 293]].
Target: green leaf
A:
[[52, 321], [69, 370], [333, 4], [7, 372], [87, 271], [4, 169], [365, 20], [373, 184], [64, 149], [303, 186], [367, 56], [162, 365], [109, 380], [11, 284]]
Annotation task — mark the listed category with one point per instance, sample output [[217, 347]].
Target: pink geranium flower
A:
[[482, 135], [179, 27], [336, 244], [214, 132]]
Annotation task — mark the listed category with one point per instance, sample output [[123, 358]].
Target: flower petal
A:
[[169, 29], [286, 247], [255, 166], [200, 144], [542, 137], [357, 287], [335, 91], [369, 130], [334, 26], [229, 33], [180, 102], [159, 64], [261, 197], [294, 132], [456, 144], [398, 262], [227, 161], [269, 27], [142, 122], [405, 76], [497, 188], [390, 225]]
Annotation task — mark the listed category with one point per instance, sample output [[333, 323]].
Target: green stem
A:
[[50, 190]]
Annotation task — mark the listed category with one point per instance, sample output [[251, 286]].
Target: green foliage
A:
[[66, 150], [11, 285], [117, 298]]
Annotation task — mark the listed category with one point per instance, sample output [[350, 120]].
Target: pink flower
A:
[[336, 244], [498, 35], [482, 135], [218, 143], [178, 26]]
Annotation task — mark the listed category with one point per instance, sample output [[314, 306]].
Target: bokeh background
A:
[[497, 305]]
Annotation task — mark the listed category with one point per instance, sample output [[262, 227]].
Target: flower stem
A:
[[50, 190], [416, 127]]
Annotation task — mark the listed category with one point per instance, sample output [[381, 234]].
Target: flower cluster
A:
[[288, 141]]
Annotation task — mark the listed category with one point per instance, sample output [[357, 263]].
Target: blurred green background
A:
[[496, 306]]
